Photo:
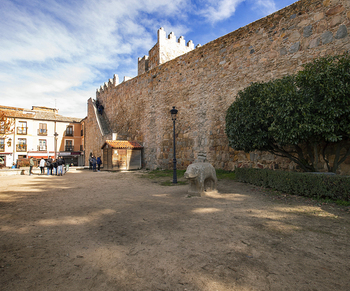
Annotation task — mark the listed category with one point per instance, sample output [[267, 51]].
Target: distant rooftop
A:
[[37, 112]]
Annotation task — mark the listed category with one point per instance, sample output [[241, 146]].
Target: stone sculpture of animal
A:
[[202, 178]]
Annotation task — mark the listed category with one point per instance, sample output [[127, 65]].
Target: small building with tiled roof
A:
[[122, 155]]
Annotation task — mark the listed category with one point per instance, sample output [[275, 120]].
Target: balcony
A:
[[42, 131], [68, 148], [42, 148], [22, 130], [21, 147], [69, 133], [2, 147]]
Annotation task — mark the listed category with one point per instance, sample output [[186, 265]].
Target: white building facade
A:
[[41, 132]]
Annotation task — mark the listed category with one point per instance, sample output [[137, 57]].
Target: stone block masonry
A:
[[203, 83]]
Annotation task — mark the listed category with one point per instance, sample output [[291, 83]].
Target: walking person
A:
[[90, 162], [49, 166], [60, 163], [99, 162], [55, 165], [31, 165], [94, 162], [42, 166]]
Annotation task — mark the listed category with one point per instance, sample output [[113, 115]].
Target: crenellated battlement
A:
[[110, 84], [166, 49], [171, 40]]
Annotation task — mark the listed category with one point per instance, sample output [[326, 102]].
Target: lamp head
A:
[[173, 113]]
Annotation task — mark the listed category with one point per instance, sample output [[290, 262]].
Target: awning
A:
[[65, 154], [39, 157]]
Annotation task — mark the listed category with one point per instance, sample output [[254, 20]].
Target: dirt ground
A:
[[119, 231]]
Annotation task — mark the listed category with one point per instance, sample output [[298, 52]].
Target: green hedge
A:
[[303, 184]]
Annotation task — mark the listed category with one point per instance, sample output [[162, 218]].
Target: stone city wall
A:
[[204, 82]]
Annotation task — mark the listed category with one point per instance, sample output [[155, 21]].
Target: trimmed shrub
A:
[[304, 184]]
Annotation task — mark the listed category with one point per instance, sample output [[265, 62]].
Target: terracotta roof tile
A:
[[122, 144]]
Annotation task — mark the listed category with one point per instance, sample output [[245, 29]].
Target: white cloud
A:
[[266, 6], [64, 50], [218, 10], [60, 49], [215, 11]]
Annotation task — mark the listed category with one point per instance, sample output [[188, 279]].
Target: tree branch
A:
[[324, 157], [283, 153]]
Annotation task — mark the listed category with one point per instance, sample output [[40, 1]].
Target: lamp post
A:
[[173, 117], [55, 135]]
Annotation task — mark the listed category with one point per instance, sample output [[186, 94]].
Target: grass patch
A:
[[222, 174], [164, 177], [165, 173], [342, 203]]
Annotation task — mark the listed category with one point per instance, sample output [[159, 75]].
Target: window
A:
[[69, 130], [2, 144], [22, 127], [42, 145], [42, 129], [22, 145], [2, 127], [7, 125], [69, 146]]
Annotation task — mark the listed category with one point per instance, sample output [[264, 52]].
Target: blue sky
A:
[[56, 53]]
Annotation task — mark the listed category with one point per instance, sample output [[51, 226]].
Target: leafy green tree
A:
[[325, 84], [298, 117]]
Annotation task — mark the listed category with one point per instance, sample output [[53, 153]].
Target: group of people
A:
[[54, 166], [93, 162]]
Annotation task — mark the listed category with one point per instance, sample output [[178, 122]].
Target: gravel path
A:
[[120, 231]]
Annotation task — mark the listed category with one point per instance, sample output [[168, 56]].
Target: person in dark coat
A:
[[55, 165], [94, 162], [100, 109], [99, 162], [60, 164], [49, 166]]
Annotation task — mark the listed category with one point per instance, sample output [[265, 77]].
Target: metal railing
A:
[[21, 147], [42, 131], [2, 147], [68, 148], [42, 148], [22, 130]]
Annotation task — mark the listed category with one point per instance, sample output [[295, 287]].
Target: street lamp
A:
[[56, 135], [173, 117]]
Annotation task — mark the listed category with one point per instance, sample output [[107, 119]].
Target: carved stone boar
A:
[[202, 178]]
